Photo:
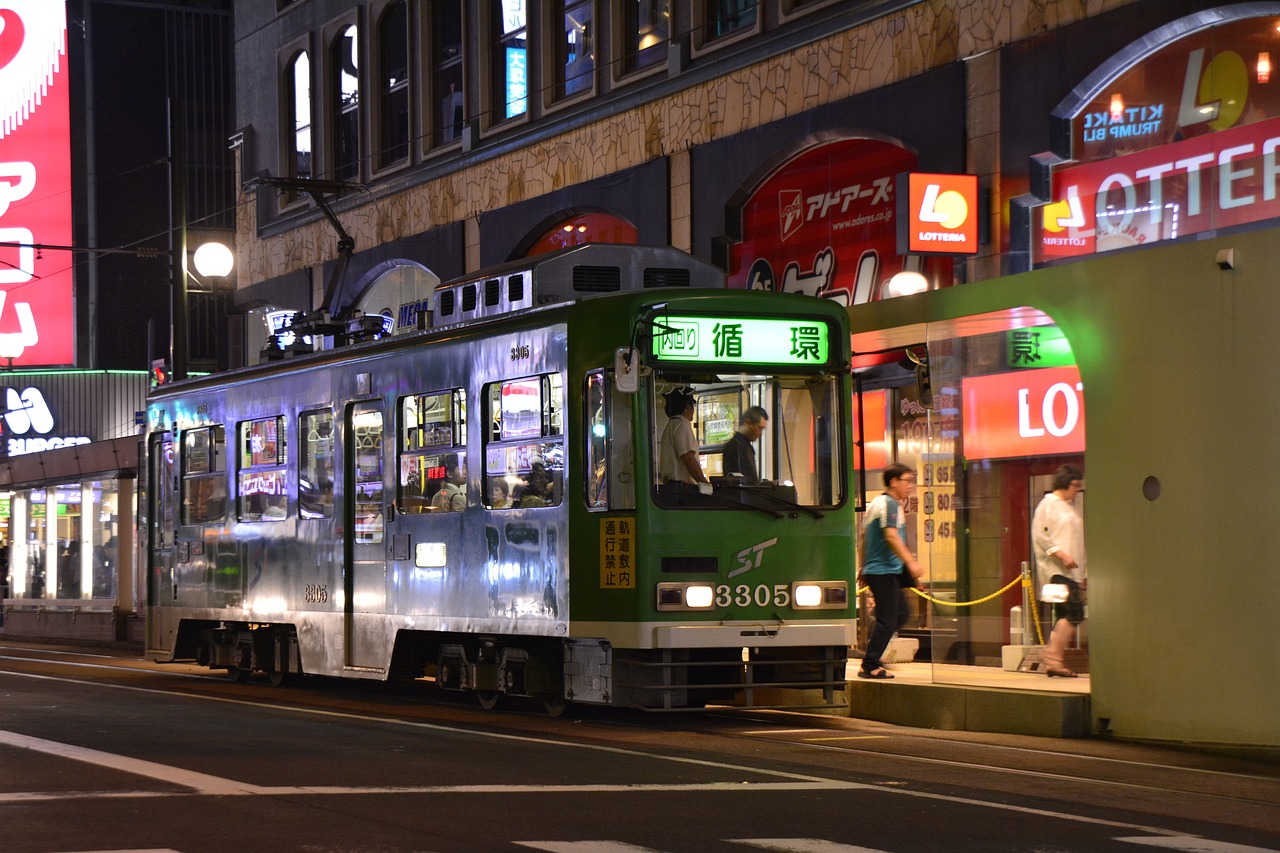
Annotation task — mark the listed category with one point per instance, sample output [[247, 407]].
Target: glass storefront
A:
[[984, 409], [63, 542]]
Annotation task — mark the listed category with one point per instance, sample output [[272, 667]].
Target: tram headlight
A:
[[686, 596], [808, 595], [699, 597], [820, 595]]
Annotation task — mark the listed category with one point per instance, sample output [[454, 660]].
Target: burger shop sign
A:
[[29, 425], [1181, 142]]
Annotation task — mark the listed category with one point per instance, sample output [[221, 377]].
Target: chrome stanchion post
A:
[[1028, 636]]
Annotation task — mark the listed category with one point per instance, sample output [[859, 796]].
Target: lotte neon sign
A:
[[37, 306]]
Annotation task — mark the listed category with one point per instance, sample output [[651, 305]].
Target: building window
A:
[[585, 228], [393, 81], [646, 33], [510, 61], [722, 18], [344, 57], [299, 88], [575, 49], [448, 106]]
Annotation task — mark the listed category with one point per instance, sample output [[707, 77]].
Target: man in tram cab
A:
[[1057, 534], [678, 454], [739, 456]]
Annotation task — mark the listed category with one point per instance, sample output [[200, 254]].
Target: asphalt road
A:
[[102, 751]]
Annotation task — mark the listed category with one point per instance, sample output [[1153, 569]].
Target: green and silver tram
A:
[[476, 501]]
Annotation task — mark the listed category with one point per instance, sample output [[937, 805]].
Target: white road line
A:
[[82, 665], [802, 845], [585, 847], [1192, 844], [200, 782]]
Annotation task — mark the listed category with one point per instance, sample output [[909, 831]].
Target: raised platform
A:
[[973, 698]]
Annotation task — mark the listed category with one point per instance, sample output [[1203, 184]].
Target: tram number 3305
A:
[[742, 595]]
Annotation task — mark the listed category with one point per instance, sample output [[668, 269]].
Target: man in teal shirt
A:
[[884, 559]]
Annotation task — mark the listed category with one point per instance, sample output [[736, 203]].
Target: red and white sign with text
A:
[[37, 290], [1027, 413]]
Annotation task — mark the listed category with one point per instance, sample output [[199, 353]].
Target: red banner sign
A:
[[1028, 413], [823, 224], [37, 298]]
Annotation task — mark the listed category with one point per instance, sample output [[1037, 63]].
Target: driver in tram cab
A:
[[678, 456]]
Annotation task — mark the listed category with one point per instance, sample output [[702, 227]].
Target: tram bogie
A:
[[476, 503]]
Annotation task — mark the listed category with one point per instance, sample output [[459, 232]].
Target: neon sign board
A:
[[742, 340], [37, 307]]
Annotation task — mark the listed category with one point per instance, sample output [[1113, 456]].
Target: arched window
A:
[[393, 80], [344, 59], [299, 143], [585, 228]]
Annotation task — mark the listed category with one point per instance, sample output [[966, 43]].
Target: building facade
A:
[[1125, 182]]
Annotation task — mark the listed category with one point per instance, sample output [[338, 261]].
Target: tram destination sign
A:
[[794, 342]]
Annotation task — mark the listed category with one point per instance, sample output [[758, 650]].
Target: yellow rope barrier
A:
[[928, 597]]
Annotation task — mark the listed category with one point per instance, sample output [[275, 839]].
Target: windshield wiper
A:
[[744, 489]]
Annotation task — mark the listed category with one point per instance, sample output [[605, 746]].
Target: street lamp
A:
[[214, 260]]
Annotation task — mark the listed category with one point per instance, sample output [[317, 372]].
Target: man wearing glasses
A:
[[1057, 537], [887, 566]]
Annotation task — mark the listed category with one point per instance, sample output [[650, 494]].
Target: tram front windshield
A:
[[797, 450]]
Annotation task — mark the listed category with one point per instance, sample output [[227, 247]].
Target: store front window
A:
[[984, 409], [63, 542]]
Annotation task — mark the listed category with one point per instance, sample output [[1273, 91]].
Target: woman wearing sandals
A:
[[1057, 532], [886, 564]]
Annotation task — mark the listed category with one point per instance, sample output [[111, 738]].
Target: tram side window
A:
[[204, 479], [162, 495], [261, 488], [433, 452], [524, 451], [315, 464]]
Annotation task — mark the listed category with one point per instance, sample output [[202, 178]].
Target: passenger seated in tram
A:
[[537, 488], [452, 496]]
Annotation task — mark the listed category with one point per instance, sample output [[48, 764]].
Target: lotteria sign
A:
[[1179, 141], [742, 340], [1027, 413], [37, 307], [941, 214]]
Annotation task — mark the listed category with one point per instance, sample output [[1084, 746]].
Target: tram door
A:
[[365, 565], [158, 537]]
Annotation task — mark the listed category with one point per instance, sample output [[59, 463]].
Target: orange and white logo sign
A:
[[943, 213]]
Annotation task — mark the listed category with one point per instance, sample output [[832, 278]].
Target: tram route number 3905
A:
[[313, 592], [762, 595]]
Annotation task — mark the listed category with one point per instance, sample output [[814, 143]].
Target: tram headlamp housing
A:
[[686, 596], [820, 595]]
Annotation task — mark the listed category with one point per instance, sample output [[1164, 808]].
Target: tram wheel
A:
[[488, 699], [277, 677], [553, 705], [238, 674]]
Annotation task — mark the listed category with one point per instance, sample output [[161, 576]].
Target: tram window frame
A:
[[315, 469], [429, 454], [204, 478], [263, 451], [512, 455]]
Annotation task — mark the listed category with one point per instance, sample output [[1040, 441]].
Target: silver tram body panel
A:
[[506, 571]]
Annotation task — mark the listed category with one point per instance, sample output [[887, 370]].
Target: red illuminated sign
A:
[[37, 307], [1180, 143], [823, 224], [941, 214], [1028, 413]]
